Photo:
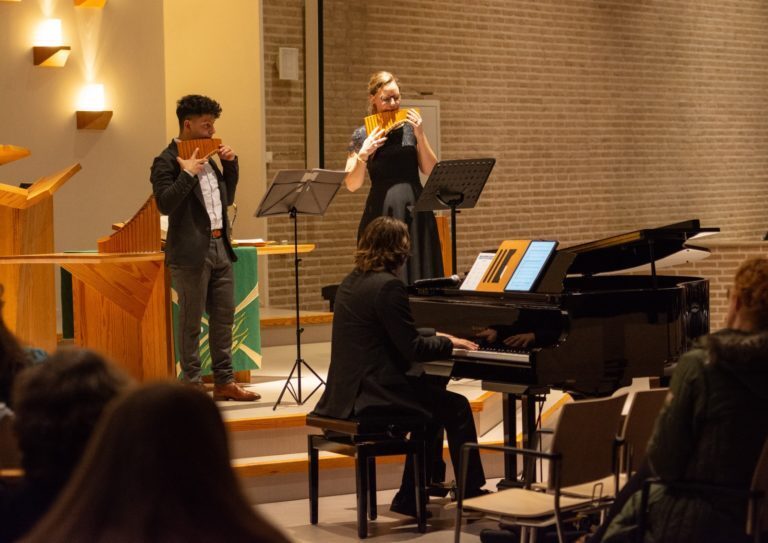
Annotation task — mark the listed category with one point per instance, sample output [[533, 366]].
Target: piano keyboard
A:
[[503, 356]]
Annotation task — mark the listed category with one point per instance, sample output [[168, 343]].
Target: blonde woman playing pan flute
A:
[[393, 161]]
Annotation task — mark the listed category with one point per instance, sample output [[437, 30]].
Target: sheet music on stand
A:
[[308, 192], [478, 270], [455, 184]]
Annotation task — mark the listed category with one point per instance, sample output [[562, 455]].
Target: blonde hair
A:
[[378, 80], [751, 286]]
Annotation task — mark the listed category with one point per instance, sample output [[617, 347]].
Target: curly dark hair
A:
[[384, 246], [751, 286], [194, 105], [57, 405]]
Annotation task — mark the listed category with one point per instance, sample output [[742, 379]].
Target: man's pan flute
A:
[[206, 147]]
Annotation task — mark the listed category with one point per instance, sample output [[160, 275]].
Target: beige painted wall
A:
[[220, 55], [211, 48], [121, 45]]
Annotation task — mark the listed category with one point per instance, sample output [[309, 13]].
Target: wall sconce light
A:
[[48, 49], [90, 113]]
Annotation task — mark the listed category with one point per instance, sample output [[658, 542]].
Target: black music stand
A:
[[455, 184], [293, 192]]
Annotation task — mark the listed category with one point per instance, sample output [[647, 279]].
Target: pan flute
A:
[[206, 147], [386, 120]]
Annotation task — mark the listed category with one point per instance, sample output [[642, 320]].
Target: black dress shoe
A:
[[405, 507], [474, 493], [489, 535]]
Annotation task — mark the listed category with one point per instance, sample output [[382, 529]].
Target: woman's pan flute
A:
[[386, 120], [206, 147]]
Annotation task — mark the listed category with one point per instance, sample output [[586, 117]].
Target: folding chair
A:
[[583, 450]]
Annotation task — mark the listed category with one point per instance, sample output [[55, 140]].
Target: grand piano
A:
[[600, 316]]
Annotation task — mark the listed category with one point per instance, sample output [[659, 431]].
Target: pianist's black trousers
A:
[[450, 411]]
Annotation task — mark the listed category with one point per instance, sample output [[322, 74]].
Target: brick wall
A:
[[720, 268], [603, 116]]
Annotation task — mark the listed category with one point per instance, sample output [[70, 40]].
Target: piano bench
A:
[[328, 292], [365, 440]]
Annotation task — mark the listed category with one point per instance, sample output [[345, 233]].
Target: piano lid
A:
[[624, 252]]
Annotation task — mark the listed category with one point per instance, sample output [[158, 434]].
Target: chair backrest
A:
[[757, 516], [638, 426], [585, 436]]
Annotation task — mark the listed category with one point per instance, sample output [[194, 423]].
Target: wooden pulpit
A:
[[26, 227], [121, 301]]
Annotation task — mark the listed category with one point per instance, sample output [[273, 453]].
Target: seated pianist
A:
[[374, 345]]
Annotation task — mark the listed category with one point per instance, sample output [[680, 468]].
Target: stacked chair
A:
[[592, 455]]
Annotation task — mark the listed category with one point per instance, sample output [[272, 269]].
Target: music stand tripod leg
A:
[[299, 330]]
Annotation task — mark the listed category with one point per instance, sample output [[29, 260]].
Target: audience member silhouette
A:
[[712, 427], [12, 361], [57, 405], [157, 470]]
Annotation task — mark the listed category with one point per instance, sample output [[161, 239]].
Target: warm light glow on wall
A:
[[91, 112], [90, 3], [91, 98], [48, 33], [49, 48]]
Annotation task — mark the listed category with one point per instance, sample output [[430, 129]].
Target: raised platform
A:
[[278, 326], [269, 446]]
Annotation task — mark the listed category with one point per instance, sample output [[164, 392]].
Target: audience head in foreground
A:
[[57, 405], [712, 428], [12, 358], [12, 361], [157, 470]]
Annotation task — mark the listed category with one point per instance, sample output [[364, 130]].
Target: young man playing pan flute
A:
[[194, 193]]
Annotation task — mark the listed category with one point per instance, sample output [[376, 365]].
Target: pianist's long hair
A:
[[384, 246]]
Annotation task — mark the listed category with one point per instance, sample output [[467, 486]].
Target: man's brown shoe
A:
[[199, 385], [233, 391]]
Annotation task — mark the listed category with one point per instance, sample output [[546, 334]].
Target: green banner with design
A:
[[246, 333]]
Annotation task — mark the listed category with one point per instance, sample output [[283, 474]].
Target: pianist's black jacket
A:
[[373, 345]]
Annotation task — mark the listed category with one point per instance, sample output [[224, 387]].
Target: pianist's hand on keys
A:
[[459, 343]]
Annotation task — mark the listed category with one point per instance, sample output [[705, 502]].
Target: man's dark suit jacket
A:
[[373, 345], [178, 195]]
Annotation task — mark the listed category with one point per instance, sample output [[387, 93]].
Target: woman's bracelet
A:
[[360, 160]]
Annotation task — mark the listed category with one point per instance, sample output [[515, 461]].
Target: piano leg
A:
[[509, 407], [528, 416], [528, 401]]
